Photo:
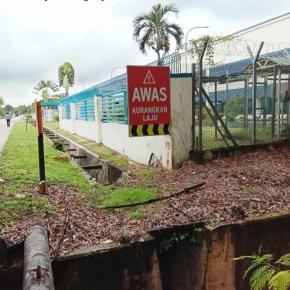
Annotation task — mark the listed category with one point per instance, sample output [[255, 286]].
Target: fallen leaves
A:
[[237, 188]]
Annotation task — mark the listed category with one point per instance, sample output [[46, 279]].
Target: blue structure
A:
[[114, 91], [238, 67]]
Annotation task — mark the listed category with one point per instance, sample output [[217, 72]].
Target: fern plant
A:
[[266, 274]]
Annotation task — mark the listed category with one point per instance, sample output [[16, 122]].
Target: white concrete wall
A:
[[181, 116], [86, 129], [139, 149], [66, 125], [171, 151]]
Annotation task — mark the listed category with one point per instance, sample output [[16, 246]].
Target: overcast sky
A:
[[37, 36]]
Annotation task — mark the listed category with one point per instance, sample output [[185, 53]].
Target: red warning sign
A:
[[149, 97]]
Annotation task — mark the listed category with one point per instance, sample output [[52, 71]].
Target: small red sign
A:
[[149, 95]]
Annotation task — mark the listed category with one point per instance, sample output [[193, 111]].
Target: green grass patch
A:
[[254, 190], [19, 206], [26, 204], [122, 196], [19, 163], [135, 214]]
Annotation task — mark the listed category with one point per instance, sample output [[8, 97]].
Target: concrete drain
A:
[[102, 171]]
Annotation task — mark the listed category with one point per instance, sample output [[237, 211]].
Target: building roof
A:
[[237, 67], [260, 24]]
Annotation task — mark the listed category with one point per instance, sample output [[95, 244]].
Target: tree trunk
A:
[[37, 263]]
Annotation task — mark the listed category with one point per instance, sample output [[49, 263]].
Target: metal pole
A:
[[288, 100], [200, 56], [215, 104], [193, 107], [274, 103], [227, 100], [246, 104], [279, 104], [254, 107], [265, 101], [185, 43], [42, 185]]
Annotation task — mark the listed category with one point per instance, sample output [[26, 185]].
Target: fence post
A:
[[265, 101], [279, 104], [288, 100], [246, 105], [200, 55], [274, 92], [42, 184], [215, 104], [193, 108], [254, 107], [98, 118]]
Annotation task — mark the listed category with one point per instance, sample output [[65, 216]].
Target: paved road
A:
[[4, 133]]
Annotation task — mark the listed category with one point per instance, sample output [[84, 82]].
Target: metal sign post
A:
[[148, 100], [42, 184]]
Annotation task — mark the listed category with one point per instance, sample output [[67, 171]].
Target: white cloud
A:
[[37, 36]]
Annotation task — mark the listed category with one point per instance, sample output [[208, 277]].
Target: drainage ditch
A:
[[100, 170]]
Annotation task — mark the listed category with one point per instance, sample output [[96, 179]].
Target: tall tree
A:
[[153, 30], [46, 89], [66, 76]]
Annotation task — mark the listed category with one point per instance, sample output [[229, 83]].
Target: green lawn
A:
[[19, 169], [124, 196], [19, 163]]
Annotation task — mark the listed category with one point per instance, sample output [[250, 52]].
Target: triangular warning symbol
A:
[[149, 80]]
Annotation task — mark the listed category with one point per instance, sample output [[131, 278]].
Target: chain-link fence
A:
[[236, 106]]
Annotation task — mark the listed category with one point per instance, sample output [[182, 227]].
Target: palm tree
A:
[[153, 30], [43, 88], [66, 76]]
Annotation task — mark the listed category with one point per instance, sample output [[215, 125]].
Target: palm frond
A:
[[261, 277], [280, 281], [152, 29], [284, 260]]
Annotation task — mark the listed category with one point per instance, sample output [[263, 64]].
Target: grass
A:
[[122, 196], [19, 163], [254, 190], [136, 214], [22, 205], [241, 136], [19, 169], [104, 152]]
